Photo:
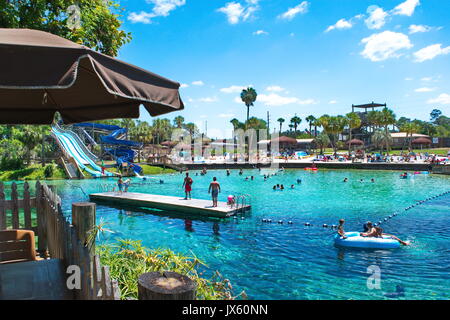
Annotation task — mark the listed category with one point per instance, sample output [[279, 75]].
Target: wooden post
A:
[[83, 219], [165, 286], [15, 206], [27, 206], [2, 208]]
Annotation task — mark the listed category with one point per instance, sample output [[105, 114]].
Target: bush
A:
[[128, 259], [12, 155], [49, 170]]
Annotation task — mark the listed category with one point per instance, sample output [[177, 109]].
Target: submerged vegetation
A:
[[128, 259]]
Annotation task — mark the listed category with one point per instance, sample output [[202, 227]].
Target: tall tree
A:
[[386, 118], [281, 121], [178, 122], [353, 122], [248, 96], [93, 23], [322, 140], [435, 114], [310, 120], [296, 122], [237, 124], [410, 128]]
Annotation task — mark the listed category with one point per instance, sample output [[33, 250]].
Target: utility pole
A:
[[268, 124]]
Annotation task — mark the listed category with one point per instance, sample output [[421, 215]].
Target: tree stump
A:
[[165, 286]]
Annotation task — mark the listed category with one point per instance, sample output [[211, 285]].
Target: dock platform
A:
[[167, 203]]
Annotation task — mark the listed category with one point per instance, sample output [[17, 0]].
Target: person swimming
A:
[[299, 181], [292, 186], [345, 180], [282, 187], [372, 180], [241, 172], [228, 172]]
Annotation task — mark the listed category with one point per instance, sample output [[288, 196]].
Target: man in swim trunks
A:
[[187, 184], [215, 188], [371, 231], [120, 184], [340, 229]]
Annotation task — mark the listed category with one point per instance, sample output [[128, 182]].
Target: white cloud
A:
[[161, 8], [332, 102], [184, 85], [292, 12], [377, 17], [430, 52], [141, 17], [340, 25], [444, 98], [198, 83], [275, 89], [427, 79], [409, 79], [425, 89], [406, 8], [385, 45], [237, 12], [232, 89], [208, 99], [275, 100], [414, 28], [260, 32]]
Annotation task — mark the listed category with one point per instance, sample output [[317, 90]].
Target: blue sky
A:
[[302, 57]]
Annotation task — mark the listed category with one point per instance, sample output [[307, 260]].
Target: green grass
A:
[[33, 172], [150, 170], [128, 259]]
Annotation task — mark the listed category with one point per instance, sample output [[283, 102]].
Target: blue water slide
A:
[[74, 150], [122, 154]]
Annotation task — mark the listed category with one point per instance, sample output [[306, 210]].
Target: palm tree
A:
[[410, 128], [316, 123], [191, 128], [310, 120], [249, 96], [322, 140], [237, 124], [296, 122], [386, 117], [178, 122], [256, 123], [127, 123], [381, 138], [353, 122], [373, 117], [281, 121], [334, 127], [291, 126]]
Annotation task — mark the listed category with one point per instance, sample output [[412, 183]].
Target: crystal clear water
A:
[[291, 261]]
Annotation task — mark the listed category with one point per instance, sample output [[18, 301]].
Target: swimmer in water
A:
[[228, 172], [292, 186], [282, 187], [380, 234], [299, 181], [345, 180]]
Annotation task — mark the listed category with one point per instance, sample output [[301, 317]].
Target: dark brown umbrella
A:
[[42, 73], [421, 141], [355, 142], [169, 143], [284, 139]]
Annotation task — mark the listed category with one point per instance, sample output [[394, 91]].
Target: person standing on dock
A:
[[214, 189], [187, 184]]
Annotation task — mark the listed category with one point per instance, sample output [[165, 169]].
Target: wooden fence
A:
[[56, 238]]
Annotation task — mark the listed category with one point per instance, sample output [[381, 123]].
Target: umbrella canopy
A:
[[42, 73], [284, 139], [355, 142], [421, 141], [169, 143]]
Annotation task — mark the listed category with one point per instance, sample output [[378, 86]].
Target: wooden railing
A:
[[56, 238]]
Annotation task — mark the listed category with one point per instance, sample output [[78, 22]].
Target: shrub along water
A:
[[128, 259]]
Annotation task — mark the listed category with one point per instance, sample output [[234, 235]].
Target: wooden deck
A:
[[34, 280], [166, 203]]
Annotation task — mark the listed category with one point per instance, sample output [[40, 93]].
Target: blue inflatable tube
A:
[[354, 240]]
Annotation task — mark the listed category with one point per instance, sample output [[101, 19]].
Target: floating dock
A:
[[166, 203]]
